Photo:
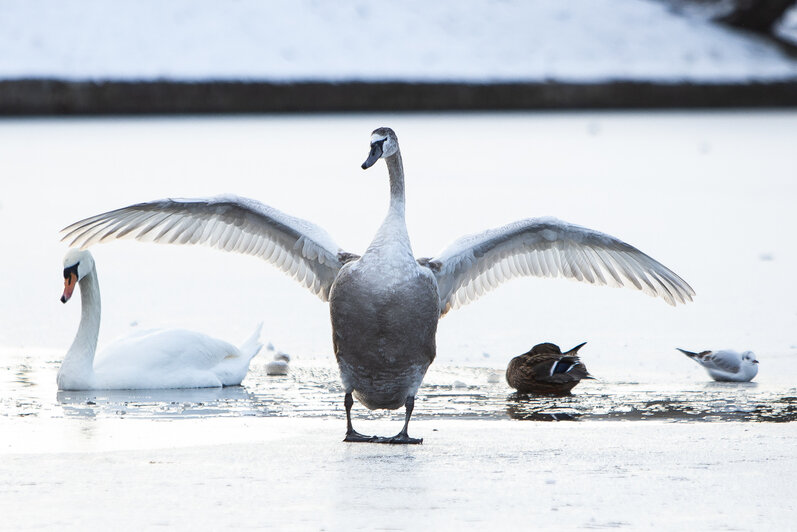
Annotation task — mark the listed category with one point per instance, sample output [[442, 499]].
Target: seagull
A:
[[385, 304], [546, 370], [726, 365]]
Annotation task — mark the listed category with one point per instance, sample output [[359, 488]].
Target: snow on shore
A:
[[473, 41]]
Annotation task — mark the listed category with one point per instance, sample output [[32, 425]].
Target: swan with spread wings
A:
[[385, 304]]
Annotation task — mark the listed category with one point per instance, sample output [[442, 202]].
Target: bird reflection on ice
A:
[[168, 403], [729, 403]]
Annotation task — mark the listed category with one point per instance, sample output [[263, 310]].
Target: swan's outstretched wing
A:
[[546, 247], [302, 249]]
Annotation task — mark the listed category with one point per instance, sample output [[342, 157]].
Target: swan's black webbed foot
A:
[[354, 436], [399, 439], [402, 438]]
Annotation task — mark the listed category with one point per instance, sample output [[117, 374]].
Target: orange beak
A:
[[69, 287]]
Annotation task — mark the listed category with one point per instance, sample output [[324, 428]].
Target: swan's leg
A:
[[402, 437], [351, 434]]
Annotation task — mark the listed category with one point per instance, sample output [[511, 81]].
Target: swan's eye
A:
[[70, 270]]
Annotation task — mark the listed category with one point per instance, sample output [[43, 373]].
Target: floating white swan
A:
[[150, 359], [385, 305]]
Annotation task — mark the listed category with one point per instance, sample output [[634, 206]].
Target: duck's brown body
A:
[[546, 370]]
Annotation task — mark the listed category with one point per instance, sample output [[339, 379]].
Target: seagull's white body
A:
[[726, 365], [385, 304], [173, 358]]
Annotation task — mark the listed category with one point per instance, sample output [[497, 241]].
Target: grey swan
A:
[[385, 304]]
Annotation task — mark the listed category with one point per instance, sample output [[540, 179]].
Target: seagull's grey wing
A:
[[723, 360], [302, 249], [546, 247]]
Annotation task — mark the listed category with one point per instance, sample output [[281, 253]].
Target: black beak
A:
[[376, 153]]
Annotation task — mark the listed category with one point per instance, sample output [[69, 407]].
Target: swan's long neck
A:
[[77, 369], [393, 231], [395, 169]]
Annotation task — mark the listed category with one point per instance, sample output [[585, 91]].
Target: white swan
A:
[[150, 359], [385, 305]]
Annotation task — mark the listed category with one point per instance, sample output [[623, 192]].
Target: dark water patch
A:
[[640, 407]]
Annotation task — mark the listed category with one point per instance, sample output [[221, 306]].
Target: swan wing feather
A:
[[547, 247], [300, 248]]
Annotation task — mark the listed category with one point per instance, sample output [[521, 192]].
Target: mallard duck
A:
[[546, 370]]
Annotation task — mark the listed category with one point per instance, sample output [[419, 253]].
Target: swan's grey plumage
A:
[[298, 247], [547, 247], [384, 308], [385, 305]]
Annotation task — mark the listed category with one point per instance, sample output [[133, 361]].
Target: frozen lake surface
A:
[[651, 442], [268, 455]]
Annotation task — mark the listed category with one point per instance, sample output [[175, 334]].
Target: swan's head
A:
[[748, 358], [77, 264], [384, 143]]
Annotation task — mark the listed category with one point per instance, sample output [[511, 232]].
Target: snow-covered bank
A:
[[89, 56], [480, 41]]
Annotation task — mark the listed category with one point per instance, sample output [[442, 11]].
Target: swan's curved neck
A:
[[392, 236], [395, 169], [78, 365]]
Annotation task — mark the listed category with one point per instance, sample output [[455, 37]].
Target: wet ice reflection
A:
[[312, 390], [187, 403]]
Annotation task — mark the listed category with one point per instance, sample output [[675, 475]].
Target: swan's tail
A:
[[252, 345]]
